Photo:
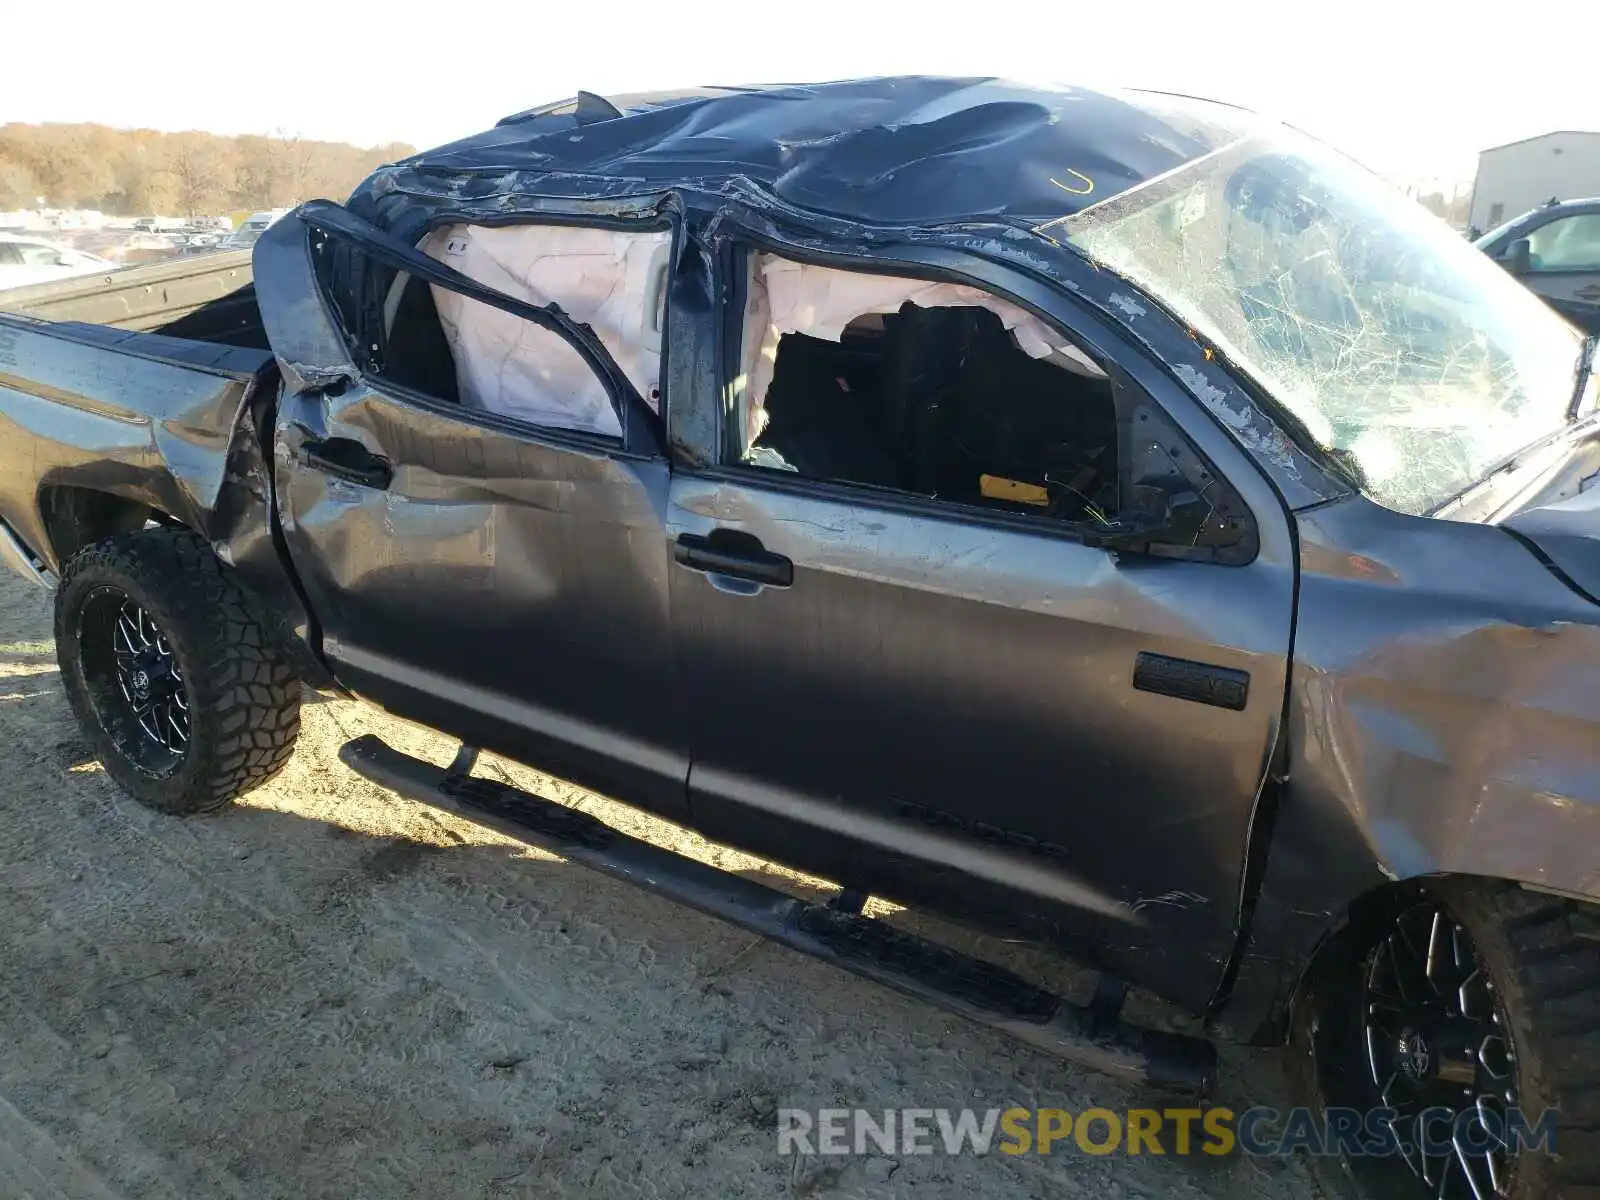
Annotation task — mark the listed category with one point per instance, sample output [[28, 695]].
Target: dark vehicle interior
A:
[[936, 402], [414, 351], [941, 403], [933, 402]]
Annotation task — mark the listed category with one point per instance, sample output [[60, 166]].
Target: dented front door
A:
[[1003, 725]]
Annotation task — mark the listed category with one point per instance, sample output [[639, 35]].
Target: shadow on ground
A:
[[329, 991]]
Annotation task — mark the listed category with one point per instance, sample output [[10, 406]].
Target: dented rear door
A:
[[502, 583]]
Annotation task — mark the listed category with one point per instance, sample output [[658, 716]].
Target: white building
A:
[[1521, 175]]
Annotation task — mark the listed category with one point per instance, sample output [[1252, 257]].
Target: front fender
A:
[[1444, 719]]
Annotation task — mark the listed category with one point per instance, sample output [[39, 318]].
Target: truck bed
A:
[[208, 298], [124, 394]]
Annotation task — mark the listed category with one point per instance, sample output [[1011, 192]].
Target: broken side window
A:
[[935, 389], [611, 280], [452, 347]]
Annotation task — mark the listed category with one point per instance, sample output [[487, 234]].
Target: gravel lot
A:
[[330, 991]]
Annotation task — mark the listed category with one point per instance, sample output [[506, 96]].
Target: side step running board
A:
[[966, 986]]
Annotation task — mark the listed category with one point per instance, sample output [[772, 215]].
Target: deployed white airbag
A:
[[611, 281], [790, 297]]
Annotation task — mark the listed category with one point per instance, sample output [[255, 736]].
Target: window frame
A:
[[1089, 333], [642, 436], [1590, 269], [58, 256]]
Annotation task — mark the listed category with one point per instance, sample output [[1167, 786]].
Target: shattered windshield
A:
[[1404, 350]]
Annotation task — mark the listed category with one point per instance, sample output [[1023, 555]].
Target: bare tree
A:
[[141, 171], [257, 180], [18, 187], [68, 167], [201, 172], [296, 161], [138, 175]]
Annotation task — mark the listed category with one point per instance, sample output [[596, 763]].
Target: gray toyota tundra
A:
[[1114, 520]]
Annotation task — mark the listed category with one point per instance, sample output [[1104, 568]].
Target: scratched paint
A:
[[1126, 305]]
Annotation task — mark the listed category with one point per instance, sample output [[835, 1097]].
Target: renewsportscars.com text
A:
[[1260, 1131]]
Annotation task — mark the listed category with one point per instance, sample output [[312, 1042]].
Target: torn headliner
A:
[[916, 150]]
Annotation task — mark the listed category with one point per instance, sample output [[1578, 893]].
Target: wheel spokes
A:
[[1494, 1057], [148, 681], [124, 639], [1435, 1043], [1435, 950], [150, 723], [1478, 1165]]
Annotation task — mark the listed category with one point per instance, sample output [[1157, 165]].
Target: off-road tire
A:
[[244, 699], [1543, 955]]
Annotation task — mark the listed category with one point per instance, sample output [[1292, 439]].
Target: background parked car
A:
[[253, 227], [25, 260], [197, 241], [1555, 250]]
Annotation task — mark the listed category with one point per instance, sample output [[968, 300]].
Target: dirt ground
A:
[[330, 991]]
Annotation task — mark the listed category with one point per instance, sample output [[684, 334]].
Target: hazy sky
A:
[[1411, 88]]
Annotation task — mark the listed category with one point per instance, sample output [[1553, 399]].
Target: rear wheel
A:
[[169, 674], [1460, 1013]]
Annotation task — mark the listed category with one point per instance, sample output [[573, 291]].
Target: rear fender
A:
[[122, 426]]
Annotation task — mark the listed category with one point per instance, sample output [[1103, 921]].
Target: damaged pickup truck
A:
[[1114, 520]]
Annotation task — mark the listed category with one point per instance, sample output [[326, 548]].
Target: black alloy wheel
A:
[[135, 681], [1439, 1054], [1457, 1019], [175, 681]]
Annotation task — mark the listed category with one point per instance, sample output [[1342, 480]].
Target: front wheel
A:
[[1461, 1026], [169, 674]]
